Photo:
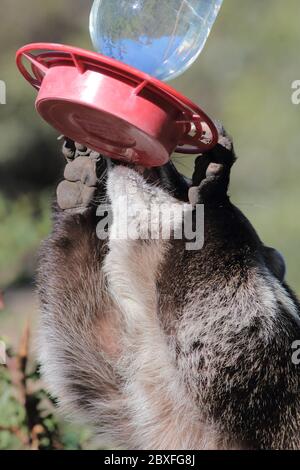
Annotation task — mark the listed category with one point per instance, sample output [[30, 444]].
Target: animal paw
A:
[[212, 172], [83, 178]]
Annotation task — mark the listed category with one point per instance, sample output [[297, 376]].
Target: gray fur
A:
[[162, 348]]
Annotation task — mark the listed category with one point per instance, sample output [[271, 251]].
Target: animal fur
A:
[[158, 347]]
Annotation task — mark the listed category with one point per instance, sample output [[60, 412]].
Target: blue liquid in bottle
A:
[[160, 37]]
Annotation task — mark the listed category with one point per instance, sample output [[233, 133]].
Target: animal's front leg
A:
[[80, 325], [210, 185]]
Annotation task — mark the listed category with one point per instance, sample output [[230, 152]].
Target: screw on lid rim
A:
[[52, 55]]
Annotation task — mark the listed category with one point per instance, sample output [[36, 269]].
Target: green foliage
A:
[[23, 223], [27, 413], [12, 414]]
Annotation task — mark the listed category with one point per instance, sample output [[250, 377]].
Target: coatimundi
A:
[[157, 346]]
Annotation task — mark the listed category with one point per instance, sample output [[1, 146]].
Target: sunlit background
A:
[[243, 78]]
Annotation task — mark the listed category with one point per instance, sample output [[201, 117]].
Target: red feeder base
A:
[[113, 108]]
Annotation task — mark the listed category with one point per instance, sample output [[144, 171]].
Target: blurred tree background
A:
[[243, 78]]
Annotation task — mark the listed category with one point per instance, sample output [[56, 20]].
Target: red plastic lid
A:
[[113, 108]]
